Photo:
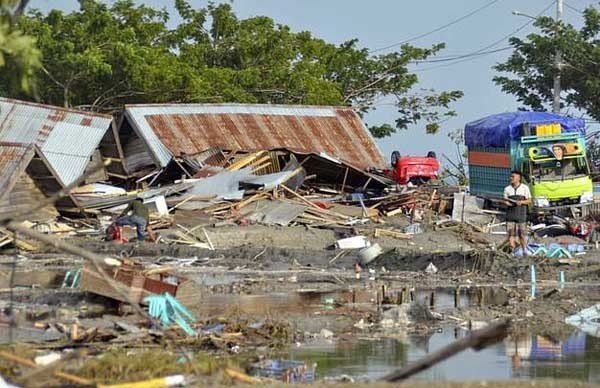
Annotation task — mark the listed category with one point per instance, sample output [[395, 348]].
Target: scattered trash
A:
[[369, 254], [552, 250], [287, 371], [362, 325], [356, 242], [5, 384], [431, 269], [212, 210], [169, 381], [72, 279], [47, 359], [587, 320], [141, 282], [414, 229], [216, 328], [168, 309], [324, 333], [357, 270]]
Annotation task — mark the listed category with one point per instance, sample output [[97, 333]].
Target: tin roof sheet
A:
[[187, 129], [13, 159], [66, 137]]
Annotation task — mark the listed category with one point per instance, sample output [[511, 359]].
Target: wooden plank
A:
[[249, 200], [257, 162], [117, 175], [190, 198], [353, 211], [245, 161], [313, 205], [394, 212], [392, 233]]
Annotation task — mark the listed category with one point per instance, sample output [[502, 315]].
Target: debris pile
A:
[[173, 231]]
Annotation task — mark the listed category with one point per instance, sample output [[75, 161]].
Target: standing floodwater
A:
[[522, 357]]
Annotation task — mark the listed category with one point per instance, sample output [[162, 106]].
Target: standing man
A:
[[517, 197], [135, 214]]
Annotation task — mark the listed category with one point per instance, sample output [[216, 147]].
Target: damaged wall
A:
[[137, 156], [24, 196]]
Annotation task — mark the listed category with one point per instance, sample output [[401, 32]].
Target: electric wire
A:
[[455, 57], [572, 8], [455, 21], [479, 53]]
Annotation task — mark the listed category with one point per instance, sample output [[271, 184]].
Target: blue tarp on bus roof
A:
[[499, 129]]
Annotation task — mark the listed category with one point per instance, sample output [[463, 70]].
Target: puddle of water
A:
[[261, 304], [449, 298], [524, 357], [312, 301]]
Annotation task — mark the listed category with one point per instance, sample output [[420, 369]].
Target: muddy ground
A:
[[294, 276]]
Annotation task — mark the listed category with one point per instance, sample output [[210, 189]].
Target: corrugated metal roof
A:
[[12, 163], [187, 129], [66, 137]]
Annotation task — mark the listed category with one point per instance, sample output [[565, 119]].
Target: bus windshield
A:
[[552, 170]]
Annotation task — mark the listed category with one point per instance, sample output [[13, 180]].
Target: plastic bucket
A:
[[369, 254]]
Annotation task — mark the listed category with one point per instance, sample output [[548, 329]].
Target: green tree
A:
[[101, 57], [19, 57], [529, 71]]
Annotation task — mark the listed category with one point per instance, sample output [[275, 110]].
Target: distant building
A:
[[154, 135], [45, 148]]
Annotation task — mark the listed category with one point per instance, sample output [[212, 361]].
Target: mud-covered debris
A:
[[431, 269], [406, 314], [324, 333]]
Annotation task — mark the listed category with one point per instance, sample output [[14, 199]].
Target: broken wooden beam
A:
[[392, 233]]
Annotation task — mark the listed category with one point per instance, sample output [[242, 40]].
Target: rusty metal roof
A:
[[13, 161], [67, 138], [187, 129]]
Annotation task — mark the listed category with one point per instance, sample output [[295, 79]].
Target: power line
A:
[[437, 29], [469, 57], [454, 58], [572, 8]]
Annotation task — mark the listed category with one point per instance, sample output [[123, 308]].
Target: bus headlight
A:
[[541, 202], [586, 196]]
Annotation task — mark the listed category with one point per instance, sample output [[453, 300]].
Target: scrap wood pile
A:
[[424, 197], [270, 187], [218, 334], [113, 350], [278, 188], [281, 187]]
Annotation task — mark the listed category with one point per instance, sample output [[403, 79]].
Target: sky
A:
[[380, 23]]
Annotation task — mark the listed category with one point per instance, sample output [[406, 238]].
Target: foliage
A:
[[456, 170], [19, 57], [530, 69], [103, 56]]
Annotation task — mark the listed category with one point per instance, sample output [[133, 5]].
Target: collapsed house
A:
[[45, 148], [331, 143]]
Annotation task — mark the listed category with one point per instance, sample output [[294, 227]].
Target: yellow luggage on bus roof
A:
[[548, 129]]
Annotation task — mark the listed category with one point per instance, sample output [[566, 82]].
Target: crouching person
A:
[[136, 214]]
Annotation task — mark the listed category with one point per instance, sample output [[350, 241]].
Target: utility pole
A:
[[557, 63]]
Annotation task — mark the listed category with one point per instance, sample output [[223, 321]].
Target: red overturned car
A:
[[413, 169]]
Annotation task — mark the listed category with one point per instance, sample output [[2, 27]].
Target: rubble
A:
[[255, 248]]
